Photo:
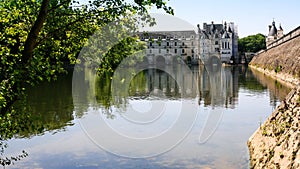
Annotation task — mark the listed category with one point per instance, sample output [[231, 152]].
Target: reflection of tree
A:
[[43, 110], [249, 81], [48, 109], [277, 91], [11, 124]]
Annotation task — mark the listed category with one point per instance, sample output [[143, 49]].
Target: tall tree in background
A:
[[252, 43]]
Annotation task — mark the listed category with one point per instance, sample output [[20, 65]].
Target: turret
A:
[[212, 28], [199, 29], [280, 31], [274, 34], [273, 30]]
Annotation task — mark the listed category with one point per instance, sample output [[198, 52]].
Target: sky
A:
[[251, 16]]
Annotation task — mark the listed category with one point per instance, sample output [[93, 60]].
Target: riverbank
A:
[[276, 144], [284, 78]]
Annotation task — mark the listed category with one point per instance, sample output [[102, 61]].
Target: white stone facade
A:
[[218, 40], [168, 47], [214, 40]]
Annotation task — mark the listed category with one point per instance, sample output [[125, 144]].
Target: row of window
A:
[[167, 37], [225, 45], [217, 43], [170, 44], [175, 51], [216, 50]]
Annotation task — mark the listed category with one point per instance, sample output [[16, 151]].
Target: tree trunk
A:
[[28, 49], [35, 31]]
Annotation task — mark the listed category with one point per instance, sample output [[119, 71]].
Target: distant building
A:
[[274, 33], [214, 40], [167, 47], [218, 40]]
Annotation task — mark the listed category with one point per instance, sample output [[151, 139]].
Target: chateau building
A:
[[218, 40], [274, 34], [167, 47], [212, 41]]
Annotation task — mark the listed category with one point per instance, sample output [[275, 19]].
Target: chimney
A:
[[204, 26]]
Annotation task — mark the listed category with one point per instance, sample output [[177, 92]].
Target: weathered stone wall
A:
[[276, 144], [283, 59]]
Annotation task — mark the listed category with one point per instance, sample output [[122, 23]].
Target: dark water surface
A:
[[217, 110]]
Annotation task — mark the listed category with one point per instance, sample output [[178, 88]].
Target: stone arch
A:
[[178, 59], [160, 60], [145, 61], [175, 60], [214, 61]]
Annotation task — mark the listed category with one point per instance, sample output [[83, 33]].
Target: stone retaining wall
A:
[[283, 59], [276, 144]]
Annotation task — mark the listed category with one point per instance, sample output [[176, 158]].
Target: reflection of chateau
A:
[[173, 82], [214, 40], [218, 86], [215, 86]]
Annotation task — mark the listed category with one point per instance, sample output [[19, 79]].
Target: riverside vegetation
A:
[[38, 38]]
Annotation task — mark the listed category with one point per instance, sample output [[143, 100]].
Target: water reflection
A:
[[50, 106], [57, 134], [213, 86], [277, 90]]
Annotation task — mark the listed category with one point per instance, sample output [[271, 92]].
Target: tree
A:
[[252, 43], [39, 36]]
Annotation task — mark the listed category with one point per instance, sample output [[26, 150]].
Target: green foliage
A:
[[39, 37], [128, 47], [252, 43], [10, 125], [278, 69]]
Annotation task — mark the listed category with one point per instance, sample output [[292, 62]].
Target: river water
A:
[[166, 117]]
